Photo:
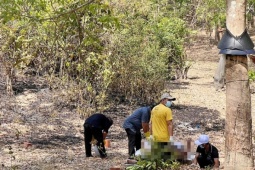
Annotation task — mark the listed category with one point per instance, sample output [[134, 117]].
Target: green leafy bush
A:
[[95, 52], [251, 74], [155, 165]]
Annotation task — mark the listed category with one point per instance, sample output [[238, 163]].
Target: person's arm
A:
[[145, 127], [145, 120], [107, 123], [170, 127], [105, 132], [104, 135], [150, 127], [215, 156], [216, 163], [195, 159]]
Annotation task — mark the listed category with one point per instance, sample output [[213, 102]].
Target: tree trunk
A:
[[236, 17], [9, 77], [217, 33], [238, 134], [238, 127]]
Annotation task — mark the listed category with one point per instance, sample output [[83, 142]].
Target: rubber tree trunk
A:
[[238, 127]]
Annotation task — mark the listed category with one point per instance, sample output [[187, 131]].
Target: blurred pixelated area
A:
[[181, 151]]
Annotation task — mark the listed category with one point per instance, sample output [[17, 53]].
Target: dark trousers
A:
[[204, 162], [90, 131], [134, 141]]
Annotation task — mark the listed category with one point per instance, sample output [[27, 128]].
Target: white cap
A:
[[167, 96], [202, 140]]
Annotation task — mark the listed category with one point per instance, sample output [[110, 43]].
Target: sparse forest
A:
[[90, 48], [63, 60]]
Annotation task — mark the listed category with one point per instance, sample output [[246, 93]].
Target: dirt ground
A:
[[35, 133]]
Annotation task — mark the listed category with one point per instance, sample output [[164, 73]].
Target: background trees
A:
[[99, 51]]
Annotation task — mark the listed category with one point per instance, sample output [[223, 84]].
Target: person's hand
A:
[[171, 139], [104, 135]]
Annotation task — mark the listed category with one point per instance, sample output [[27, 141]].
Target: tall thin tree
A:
[[238, 128]]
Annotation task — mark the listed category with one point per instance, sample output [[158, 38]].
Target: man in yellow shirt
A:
[[161, 120]]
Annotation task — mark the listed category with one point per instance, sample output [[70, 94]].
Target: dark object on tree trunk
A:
[[236, 45]]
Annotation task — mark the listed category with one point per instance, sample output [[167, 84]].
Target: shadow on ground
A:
[[199, 117], [56, 141]]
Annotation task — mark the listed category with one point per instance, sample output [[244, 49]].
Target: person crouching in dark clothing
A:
[[97, 126], [207, 155]]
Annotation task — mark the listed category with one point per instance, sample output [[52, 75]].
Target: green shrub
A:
[[155, 165], [251, 74]]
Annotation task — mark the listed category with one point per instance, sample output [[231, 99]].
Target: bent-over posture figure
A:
[[96, 126]]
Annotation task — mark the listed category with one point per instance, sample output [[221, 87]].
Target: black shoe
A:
[[89, 156], [103, 157], [131, 158]]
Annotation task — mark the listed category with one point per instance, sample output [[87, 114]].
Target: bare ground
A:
[[37, 116]]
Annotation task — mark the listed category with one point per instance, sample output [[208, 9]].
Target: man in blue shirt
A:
[[97, 126], [138, 120]]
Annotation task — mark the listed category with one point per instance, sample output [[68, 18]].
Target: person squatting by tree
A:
[[96, 126], [207, 155]]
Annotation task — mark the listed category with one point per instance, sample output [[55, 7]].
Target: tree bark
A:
[[238, 133], [236, 16], [238, 127]]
